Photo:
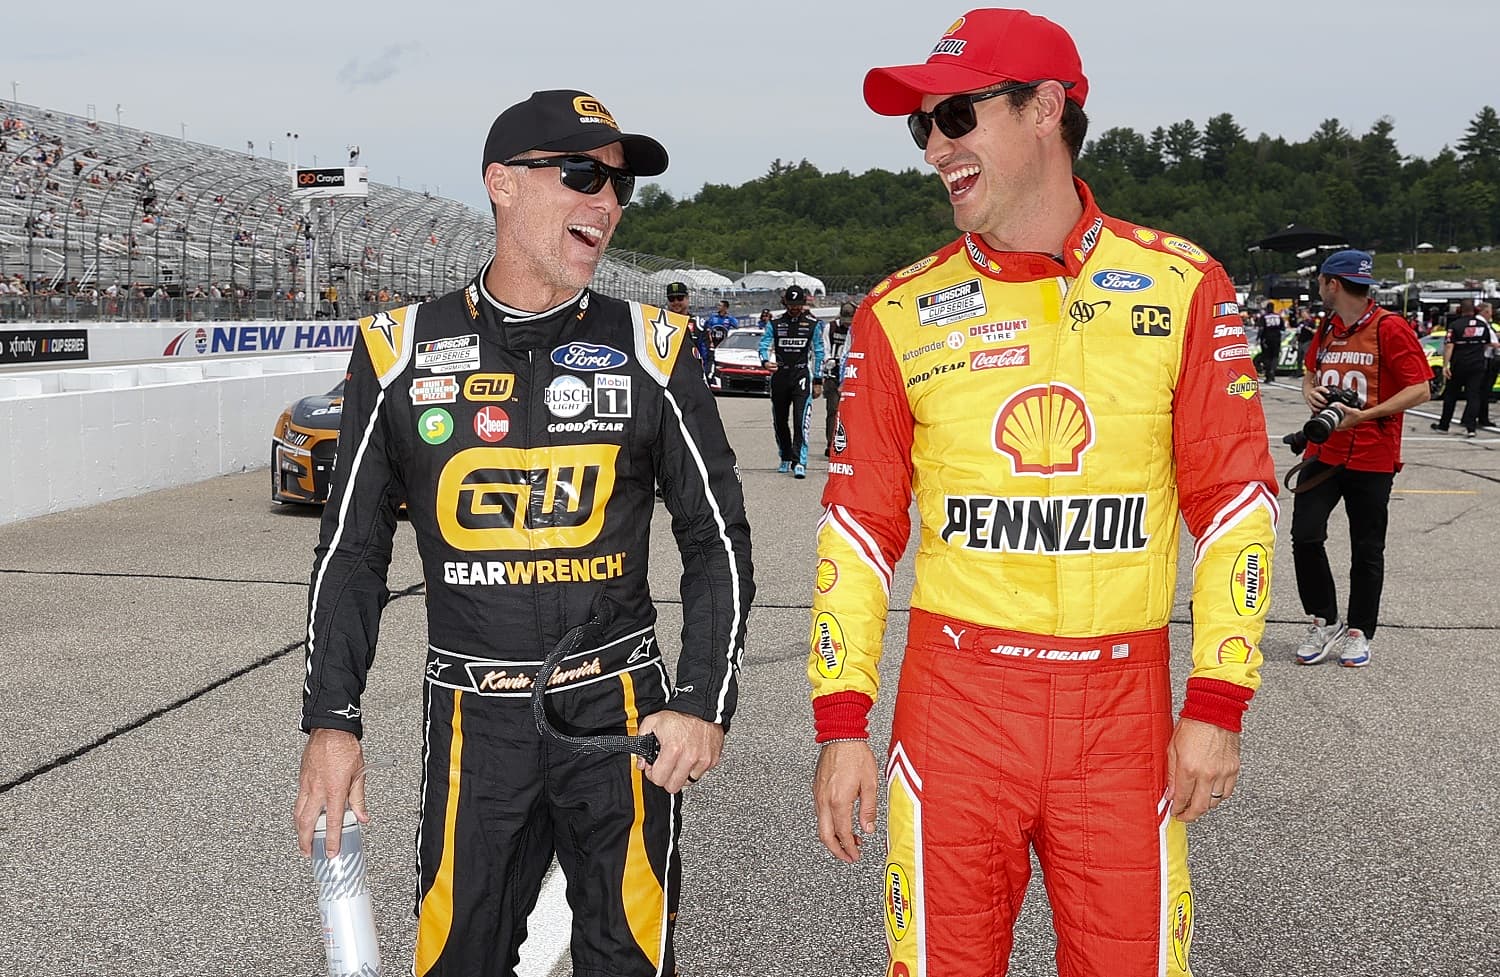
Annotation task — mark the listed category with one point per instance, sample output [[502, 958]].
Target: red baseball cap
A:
[[983, 47]]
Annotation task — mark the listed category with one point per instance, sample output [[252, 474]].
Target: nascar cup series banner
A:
[[120, 343]]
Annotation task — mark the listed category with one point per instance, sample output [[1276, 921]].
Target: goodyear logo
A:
[[1182, 928], [898, 901], [489, 386], [525, 499], [591, 111], [828, 645], [1248, 585]]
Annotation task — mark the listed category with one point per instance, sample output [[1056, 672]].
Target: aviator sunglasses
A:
[[585, 174], [955, 116]]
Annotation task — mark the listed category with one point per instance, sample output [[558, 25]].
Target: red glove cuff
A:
[[1215, 701], [842, 716]]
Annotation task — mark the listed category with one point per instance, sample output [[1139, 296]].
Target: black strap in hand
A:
[[647, 747]]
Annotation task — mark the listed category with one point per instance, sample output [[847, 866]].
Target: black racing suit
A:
[[798, 344], [527, 448]]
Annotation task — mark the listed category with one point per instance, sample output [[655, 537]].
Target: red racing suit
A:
[[1053, 417]]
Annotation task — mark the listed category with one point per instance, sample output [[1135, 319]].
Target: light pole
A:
[[14, 96], [293, 137], [184, 130], [118, 109]]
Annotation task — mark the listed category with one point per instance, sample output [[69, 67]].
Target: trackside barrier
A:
[[26, 345], [75, 437]]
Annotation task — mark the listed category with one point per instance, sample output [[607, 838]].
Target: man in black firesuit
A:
[[525, 421], [796, 340]]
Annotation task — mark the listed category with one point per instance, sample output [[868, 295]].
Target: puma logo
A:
[[948, 630], [1180, 273]]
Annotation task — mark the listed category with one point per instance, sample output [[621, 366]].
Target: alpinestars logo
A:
[[662, 332]]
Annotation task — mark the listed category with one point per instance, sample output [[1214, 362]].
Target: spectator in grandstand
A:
[[558, 172]]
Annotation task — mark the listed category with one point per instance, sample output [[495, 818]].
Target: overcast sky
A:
[[727, 88]]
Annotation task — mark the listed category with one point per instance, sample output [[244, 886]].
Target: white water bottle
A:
[[349, 936]]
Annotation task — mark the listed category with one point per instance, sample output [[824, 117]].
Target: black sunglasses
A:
[[955, 116], [585, 174]]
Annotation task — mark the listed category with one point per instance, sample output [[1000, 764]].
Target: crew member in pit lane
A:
[[1056, 388], [795, 339], [524, 420]]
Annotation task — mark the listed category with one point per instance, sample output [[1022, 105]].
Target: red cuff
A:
[[1214, 701], [842, 716]]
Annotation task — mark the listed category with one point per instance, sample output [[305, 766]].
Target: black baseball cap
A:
[[794, 294], [567, 121], [676, 288]]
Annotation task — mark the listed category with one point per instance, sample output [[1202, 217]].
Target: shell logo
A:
[[1146, 237], [828, 575], [898, 901], [1182, 928], [957, 25], [1044, 430], [1235, 651]]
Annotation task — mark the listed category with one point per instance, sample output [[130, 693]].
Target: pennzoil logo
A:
[[950, 44], [1187, 249], [916, 267], [1181, 923], [484, 387], [525, 499], [591, 111], [828, 645], [1247, 585], [898, 901], [1044, 430], [1090, 238]]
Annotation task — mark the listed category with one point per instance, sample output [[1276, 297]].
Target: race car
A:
[[302, 446], [737, 364]]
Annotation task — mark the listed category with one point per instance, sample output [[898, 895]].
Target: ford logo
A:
[[587, 356], [1112, 280]]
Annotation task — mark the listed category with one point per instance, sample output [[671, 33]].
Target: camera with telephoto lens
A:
[[1322, 424]]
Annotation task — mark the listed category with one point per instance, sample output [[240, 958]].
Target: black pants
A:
[[1270, 352], [1491, 371], [1468, 381], [498, 803], [1366, 497], [831, 395], [791, 409]]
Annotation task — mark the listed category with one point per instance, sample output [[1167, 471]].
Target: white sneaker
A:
[[1354, 649], [1320, 641]]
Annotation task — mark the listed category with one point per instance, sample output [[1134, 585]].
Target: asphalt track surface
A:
[[152, 679]]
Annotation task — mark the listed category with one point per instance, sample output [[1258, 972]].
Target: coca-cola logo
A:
[[587, 356], [994, 359], [492, 424]]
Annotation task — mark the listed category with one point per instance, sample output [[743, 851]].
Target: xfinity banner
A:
[[43, 345]]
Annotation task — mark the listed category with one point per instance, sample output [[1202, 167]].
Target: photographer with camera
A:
[[1363, 369]]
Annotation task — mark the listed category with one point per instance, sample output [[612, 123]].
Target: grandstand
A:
[[101, 221]]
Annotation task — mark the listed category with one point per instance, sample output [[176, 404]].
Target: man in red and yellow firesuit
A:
[[1056, 388]]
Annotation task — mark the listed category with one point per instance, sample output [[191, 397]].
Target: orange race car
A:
[[302, 446]]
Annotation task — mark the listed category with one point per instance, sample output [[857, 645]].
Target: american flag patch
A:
[[1120, 651], [1226, 308]]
